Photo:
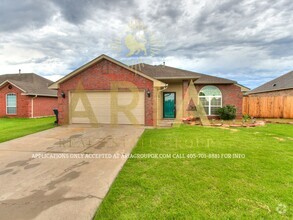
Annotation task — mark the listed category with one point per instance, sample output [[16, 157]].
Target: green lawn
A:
[[254, 187], [11, 128]]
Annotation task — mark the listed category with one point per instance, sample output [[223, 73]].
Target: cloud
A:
[[248, 41], [166, 12], [24, 14], [77, 12]]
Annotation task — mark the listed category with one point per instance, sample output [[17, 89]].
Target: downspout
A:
[[159, 91], [32, 107]]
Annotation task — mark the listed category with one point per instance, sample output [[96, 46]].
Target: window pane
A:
[[211, 97], [11, 110], [204, 101], [214, 110], [11, 100], [210, 91], [11, 103], [216, 101]]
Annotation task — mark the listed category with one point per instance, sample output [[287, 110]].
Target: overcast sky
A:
[[250, 41]]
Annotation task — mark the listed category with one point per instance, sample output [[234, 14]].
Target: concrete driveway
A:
[[59, 173]]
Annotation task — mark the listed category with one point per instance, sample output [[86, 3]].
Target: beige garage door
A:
[[107, 107]]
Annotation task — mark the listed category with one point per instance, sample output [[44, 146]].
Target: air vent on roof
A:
[[274, 84]]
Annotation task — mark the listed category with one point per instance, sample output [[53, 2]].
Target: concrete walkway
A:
[[53, 175]]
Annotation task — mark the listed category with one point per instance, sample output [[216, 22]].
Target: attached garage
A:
[[107, 107], [108, 92]]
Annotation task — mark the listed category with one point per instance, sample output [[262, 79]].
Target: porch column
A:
[[184, 90]]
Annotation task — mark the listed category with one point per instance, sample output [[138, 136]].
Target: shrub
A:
[[246, 117], [228, 112]]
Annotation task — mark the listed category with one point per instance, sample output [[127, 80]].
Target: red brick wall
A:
[[43, 106], [23, 101], [287, 92], [98, 77], [231, 95]]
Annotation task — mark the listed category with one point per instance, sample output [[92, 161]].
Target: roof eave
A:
[[7, 81], [263, 91], [55, 85], [183, 78], [212, 83], [38, 94]]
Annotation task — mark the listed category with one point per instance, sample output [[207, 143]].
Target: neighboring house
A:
[[142, 97], [26, 95], [271, 100], [281, 86]]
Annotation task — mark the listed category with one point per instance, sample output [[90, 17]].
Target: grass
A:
[[11, 128], [254, 187]]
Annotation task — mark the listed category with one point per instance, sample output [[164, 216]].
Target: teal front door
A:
[[169, 105]]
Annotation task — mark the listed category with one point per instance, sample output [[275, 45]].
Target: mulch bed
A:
[[196, 121]]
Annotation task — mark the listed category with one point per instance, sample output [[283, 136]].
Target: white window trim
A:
[[11, 106], [210, 105], [209, 99]]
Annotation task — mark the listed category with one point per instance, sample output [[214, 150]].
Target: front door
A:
[[169, 105]]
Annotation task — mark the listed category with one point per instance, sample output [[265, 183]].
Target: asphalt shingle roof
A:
[[283, 82], [167, 72], [31, 83]]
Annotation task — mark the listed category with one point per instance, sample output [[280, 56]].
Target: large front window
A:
[[211, 99], [11, 104]]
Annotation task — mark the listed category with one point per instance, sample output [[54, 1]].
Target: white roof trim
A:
[[177, 77], [55, 85], [7, 81], [37, 94], [243, 88]]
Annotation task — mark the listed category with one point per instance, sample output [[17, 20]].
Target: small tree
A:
[[228, 112]]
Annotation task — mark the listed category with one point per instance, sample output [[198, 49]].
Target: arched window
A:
[[211, 99]]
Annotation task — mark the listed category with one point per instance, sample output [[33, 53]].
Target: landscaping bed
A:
[[224, 123]]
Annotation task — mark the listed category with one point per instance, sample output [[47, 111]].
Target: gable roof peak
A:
[[55, 85], [29, 83]]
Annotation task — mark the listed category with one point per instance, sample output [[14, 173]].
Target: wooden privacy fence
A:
[[268, 106]]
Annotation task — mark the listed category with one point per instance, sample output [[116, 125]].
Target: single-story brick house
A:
[[26, 95], [281, 86], [108, 91]]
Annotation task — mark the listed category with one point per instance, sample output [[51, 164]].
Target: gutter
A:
[[45, 95], [32, 109], [176, 77]]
